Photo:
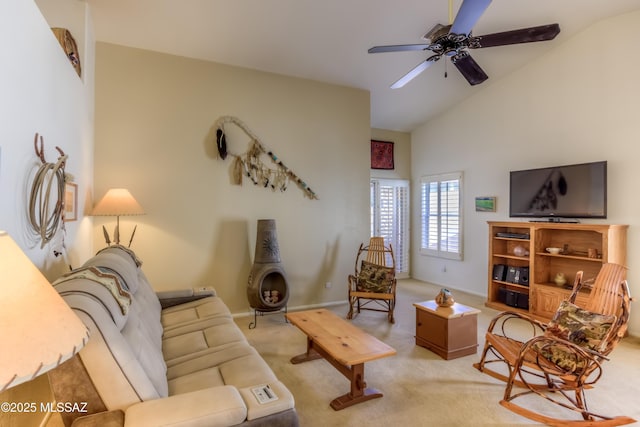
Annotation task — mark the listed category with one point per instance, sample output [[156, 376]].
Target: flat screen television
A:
[[571, 191]]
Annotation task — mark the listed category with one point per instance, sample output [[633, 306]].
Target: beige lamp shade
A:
[[117, 202], [38, 330]]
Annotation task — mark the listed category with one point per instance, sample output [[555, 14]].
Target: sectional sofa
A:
[[153, 359]]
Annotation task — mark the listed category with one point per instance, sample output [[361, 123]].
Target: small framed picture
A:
[[70, 202], [382, 155], [485, 204]]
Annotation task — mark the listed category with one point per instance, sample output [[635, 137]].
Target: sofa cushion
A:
[[199, 380], [123, 249], [188, 327], [123, 262], [213, 358], [119, 378], [200, 341], [247, 371], [117, 261], [148, 298], [148, 305], [104, 278], [212, 407], [146, 352], [193, 312], [95, 294]]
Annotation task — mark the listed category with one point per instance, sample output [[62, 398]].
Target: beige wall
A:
[[576, 104], [401, 153], [154, 135]]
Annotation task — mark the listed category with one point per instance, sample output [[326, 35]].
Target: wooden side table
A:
[[450, 332]]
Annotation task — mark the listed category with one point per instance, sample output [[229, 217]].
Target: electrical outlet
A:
[[328, 285]]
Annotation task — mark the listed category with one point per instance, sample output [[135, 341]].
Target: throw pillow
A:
[[374, 278], [581, 327]]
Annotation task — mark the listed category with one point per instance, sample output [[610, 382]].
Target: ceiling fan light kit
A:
[[454, 41], [436, 32]]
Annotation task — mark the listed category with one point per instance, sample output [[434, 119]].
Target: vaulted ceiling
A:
[[327, 40]]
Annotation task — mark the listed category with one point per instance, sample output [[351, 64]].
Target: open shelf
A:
[[543, 295], [576, 257], [522, 258]]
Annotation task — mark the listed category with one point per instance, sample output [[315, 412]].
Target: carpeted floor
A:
[[420, 388]]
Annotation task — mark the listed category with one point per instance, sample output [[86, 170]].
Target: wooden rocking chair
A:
[[373, 285], [565, 355]]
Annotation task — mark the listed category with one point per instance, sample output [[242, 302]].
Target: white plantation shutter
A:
[[441, 214], [390, 218]]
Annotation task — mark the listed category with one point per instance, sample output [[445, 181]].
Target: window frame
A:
[[425, 182]]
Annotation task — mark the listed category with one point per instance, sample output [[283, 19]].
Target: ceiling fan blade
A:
[[399, 48], [468, 14], [524, 35], [415, 72], [469, 68]]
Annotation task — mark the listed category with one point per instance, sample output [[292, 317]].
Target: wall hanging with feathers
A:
[[250, 165]]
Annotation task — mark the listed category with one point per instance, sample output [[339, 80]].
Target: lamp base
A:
[[116, 235]]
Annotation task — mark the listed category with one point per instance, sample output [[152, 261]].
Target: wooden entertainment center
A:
[[522, 271]]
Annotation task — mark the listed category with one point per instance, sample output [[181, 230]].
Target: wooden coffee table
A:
[[343, 345]]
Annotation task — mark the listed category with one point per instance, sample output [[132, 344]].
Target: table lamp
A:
[[117, 202], [38, 330]]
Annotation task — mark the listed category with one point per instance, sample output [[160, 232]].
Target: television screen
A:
[[572, 191]]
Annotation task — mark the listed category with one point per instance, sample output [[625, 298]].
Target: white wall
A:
[[42, 93], [154, 135], [577, 104]]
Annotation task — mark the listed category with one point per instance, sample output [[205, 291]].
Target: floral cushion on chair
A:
[[581, 327], [374, 278]]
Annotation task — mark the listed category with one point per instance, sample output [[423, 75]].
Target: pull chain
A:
[[450, 23]]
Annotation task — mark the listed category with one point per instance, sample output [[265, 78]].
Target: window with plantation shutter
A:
[[441, 215], [390, 218]]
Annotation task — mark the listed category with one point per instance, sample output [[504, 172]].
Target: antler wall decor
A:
[[251, 166]]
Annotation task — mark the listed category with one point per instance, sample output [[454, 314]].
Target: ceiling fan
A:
[[454, 40]]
